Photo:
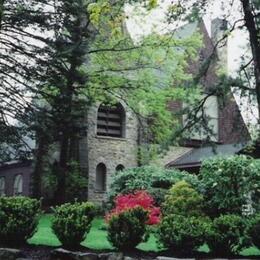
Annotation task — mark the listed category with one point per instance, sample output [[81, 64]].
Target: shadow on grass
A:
[[97, 241]]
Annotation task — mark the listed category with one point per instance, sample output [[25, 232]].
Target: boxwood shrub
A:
[[127, 229], [182, 199], [253, 230], [183, 234], [72, 222], [19, 218], [227, 234]]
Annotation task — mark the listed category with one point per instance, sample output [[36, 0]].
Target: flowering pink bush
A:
[[139, 198]]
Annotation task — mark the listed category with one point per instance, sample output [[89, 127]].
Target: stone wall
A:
[[110, 151]]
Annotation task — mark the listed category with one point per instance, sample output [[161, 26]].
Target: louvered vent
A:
[[110, 121]]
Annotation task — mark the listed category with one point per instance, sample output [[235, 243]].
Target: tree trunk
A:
[[62, 169], [42, 151], [69, 139], [66, 136], [253, 31]]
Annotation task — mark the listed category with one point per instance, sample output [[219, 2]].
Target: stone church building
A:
[[114, 136], [111, 145]]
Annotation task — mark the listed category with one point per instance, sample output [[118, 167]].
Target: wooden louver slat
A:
[[110, 121]]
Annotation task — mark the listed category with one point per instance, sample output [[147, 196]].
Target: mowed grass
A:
[[97, 238]]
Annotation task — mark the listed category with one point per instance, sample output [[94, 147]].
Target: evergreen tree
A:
[[83, 55]]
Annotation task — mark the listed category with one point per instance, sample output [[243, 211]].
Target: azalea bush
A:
[[141, 198], [155, 180]]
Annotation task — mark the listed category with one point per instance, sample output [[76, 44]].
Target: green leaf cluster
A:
[[181, 233], [127, 229], [72, 222], [19, 218], [226, 236], [253, 230], [229, 184], [154, 179], [182, 199]]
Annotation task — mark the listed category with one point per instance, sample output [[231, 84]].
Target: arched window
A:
[[111, 120], [120, 167], [2, 186], [101, 172], [18, 184]]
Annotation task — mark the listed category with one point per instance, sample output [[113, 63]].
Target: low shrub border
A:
[[128, 228], [72, 222], [19, 218]]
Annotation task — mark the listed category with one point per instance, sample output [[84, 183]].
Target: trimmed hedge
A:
[[72, 222], [226, 236], [182, 199], [253, 230], [19, 218], [182, 234], [127, 229]]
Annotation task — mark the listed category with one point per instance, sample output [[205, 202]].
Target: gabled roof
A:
[[15, 164], [171, 154], [197, 155]]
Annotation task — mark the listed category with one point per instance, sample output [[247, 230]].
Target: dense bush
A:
[[18, 219], [253, 230], [76, 183], [127, 229], [137, 199], [226, 235], [228, 182], [75, 186], [72, 222], [182, 199], [183, 233], [158, 195], [155, 180]]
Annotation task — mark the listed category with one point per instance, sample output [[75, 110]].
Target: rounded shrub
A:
[[141, 199], [183, 234], [19, 218], [155, 180], [182, 199], [226, 235], [158, 195], [227, 184], [253, 230], [72, 222], [128, 228]]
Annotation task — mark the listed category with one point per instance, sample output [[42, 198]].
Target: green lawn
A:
[[97, 238]]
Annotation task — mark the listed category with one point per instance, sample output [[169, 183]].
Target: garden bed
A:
[[44, 242], [51, 253]]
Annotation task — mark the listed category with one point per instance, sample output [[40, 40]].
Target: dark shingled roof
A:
[[197, 155]]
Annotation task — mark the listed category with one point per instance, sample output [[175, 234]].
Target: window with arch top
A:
[[2, 186], [18, 185], [101, 172], [111, 120], [120, 168]]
